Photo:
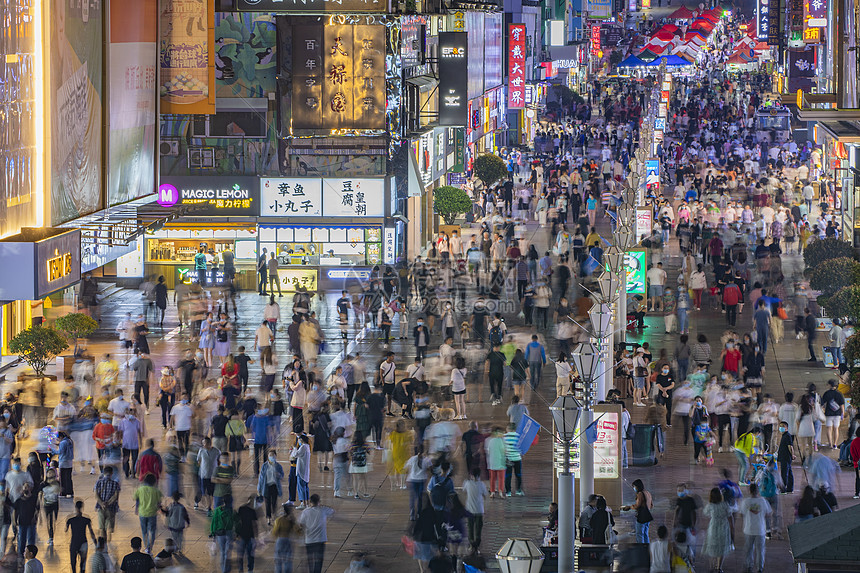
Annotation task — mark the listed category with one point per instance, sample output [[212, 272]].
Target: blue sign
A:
[[361, 274]]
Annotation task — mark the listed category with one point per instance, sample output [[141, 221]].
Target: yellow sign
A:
[[59, 266], [799, 99], [292, 279], [812, 35]]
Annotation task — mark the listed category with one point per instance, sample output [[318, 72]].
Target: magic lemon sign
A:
[[212, 196]]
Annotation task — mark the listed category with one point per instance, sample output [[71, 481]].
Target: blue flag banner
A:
[[591, 432], [528, 431]]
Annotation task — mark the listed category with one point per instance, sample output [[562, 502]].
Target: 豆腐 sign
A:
[[353, 197]]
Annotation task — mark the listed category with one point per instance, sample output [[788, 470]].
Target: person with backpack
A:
[[732, 296], [441, 488], [536, 356], [703, 435], [177, 520], [769, 485], [498, 329]]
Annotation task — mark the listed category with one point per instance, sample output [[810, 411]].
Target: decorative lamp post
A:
[[520, 555], [586, 360], [566, 411]]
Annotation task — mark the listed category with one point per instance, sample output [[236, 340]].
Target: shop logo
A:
[[168, 195]]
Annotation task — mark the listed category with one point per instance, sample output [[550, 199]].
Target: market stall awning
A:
[[702, 25], [696, 40], [663, 35], [710, 17], [669, 28], [691, 34], [672, 61], [657, 49], [682, 13], [647, 55], [631, 61]]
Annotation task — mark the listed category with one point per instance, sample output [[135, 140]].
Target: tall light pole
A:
[[601, 324], [566, 411], [586, 360]]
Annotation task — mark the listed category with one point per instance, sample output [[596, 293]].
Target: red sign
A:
[[595, 39], [516, 66]]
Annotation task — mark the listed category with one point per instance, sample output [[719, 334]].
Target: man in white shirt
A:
[[416, 370], [118, 407], [656, 280], [313, 520], [64, 412], [263, 336], [180, 416], [755, 510]]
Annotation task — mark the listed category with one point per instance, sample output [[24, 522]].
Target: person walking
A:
[[642, 508], [314, 520], [514, 460], [147, 505], [755, 511], [720, 537], [732, 297], [810, 326], [221, 530], [79, 524], [286, 527], [246, 533], [536, 356], [476, 492]]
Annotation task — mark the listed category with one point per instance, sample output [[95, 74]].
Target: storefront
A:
[[223, 216], [838, 187], [39, 262], [324, 231]]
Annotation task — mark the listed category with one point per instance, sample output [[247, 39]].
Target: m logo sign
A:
[[168, 195]]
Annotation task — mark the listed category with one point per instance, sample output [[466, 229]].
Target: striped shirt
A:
[[512, 448]]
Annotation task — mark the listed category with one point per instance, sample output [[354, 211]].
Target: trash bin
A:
[[647, 442]]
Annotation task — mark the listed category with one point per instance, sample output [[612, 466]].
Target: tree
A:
[[37, 346], [845, 303], [852, 359], [490, 168], [822, 250], [76, 325], [833, 274], [450, 201]]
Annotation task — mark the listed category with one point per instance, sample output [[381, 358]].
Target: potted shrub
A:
[[822, 250], [449, 202], [76, 325], [845, 303], [490, 168], [38, 346], [832, 275]]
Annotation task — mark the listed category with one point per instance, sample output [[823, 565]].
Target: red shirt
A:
[[103, 435], [732, 360], [854, 449], [149, 463]]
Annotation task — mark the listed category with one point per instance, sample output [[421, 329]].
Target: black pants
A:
[[810, 343], [856, 481], [496, 386], [476, 526], [731, 314], [514, 468], [421, 352], [541, 317], [66, 487], [126, 454], [259, 452], [724, 420], [261, 286], [687, 432], [668, 404], [386, 332], [376, 430], [788, 478], [767, 431], [142, 386], [293, 483], [166, 401], [182, 437], [350, 393], [52, 510], [699, 448], [316, 555], [271, 500], [201, 277], [74, 552], [521, 288], [298, 421]]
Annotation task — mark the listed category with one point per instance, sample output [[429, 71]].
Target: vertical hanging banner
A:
[[815, 13], [516, 66], [595, 39], [453, 77], [75, 88], [133, 62], [187, 51], [762, 19]]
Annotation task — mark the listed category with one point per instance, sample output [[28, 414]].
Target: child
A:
[[784, 457], [516, 411], [242, 360], [177, 520], [661, 554], [681, 556], [50, 492], [703, 439], [769, 484]]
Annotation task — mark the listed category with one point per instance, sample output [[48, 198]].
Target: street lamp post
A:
[[601, 324], [520, 555], [566, 411], [586, 359]]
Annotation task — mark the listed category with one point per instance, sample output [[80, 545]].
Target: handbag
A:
[[611, 536]]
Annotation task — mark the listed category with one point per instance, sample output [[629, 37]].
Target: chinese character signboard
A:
[[595, 39], [310, 6], [453, 77], [282, 197], [389, 246], [801, 63], [644, 222], [187, 79], [516, 66], [338, 75], [762, 17], [815, 13], [795, 15], [292, 279], [353, 197], [214, 196]]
